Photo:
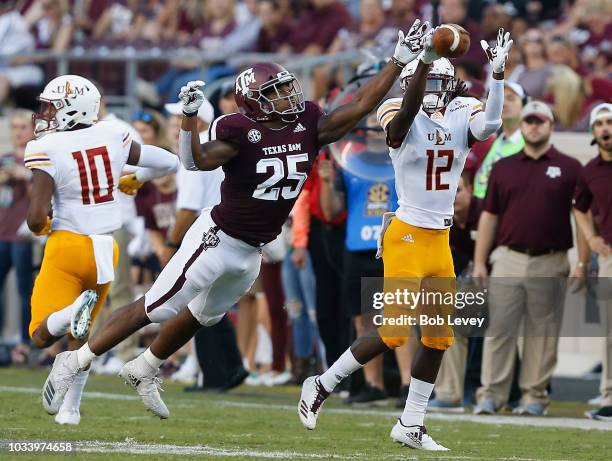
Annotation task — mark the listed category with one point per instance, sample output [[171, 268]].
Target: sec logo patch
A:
[[254, 136]]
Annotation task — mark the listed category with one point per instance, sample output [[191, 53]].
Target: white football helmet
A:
[[440, 83], [65, 102]]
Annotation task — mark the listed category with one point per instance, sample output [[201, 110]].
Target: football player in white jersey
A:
[[428, 144], [76, 164]]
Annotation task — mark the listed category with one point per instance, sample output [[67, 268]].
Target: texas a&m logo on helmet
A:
[[268, 91]]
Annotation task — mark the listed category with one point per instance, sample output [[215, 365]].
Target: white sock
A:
[[416, 403], [151, 359], [85, 356], [343, 367], [72, 401], [58, 323]]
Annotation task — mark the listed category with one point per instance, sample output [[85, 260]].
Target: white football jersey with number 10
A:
[[86, 166], [429, 162]]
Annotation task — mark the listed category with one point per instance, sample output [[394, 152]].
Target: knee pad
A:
[[393, 342], [441, 343]]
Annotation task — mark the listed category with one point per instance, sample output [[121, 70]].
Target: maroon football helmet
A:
[[259, 87]]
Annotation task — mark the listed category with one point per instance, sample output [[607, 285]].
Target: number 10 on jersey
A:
[[88, 173]]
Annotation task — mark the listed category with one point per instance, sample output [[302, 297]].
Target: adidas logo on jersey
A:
[[299, 128], [408, 238]]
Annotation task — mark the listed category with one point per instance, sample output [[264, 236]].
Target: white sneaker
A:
[[68, 417], [415, 437], [312, 398], [65, 368], [80, 314], [188, 372], [254, 379], [142, 377], [112, 366], [276, 379]]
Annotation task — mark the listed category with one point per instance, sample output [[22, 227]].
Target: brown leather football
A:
[[451, 41]]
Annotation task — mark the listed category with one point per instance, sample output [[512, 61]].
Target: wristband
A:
[[190, 114], [397, 62]]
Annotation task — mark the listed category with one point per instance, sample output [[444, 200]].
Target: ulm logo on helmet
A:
[[244, 80], [69, 90]]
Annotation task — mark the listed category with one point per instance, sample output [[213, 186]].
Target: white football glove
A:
[[410, 45], [499, 55], [191, 96], [429, 54]]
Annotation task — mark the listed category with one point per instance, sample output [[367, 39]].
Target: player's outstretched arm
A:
[[154, 162], [210, 155], [401, 122], [342, 120], [485, 124]]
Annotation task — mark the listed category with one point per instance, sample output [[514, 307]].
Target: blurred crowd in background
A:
[[563, 53], [303, 311]]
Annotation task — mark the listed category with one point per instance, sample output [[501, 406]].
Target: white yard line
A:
[[533, 421]]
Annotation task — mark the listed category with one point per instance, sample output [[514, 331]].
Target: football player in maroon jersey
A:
[[266, 152]]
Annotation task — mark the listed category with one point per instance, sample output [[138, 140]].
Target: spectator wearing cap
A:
[[227, 101], [508, 142], [527, 212], [594, 189], [15, 39], [15, 246]]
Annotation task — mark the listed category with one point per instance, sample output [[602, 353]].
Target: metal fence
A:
[[133, 59]]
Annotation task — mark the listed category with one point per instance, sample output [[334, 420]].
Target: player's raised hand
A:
[[192, 97], [429, 54], [410, 45], [499, 54], [128, 184]]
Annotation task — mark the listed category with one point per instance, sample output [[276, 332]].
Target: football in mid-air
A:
[[451, 41]]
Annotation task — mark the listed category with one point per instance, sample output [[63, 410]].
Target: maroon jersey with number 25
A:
[[263, 181]]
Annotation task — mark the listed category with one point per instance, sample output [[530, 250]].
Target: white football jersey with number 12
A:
[[86, 166], [429, 162]]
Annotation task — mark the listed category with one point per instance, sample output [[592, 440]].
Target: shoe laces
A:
[[322, 394], [154, 381]]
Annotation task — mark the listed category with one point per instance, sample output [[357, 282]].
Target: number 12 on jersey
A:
[[91, 176], [438, 170]]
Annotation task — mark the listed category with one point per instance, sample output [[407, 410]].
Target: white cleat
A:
[[143, 379], [415, 437], [68, 417], [80, 315], [312, 399], [65, 368]]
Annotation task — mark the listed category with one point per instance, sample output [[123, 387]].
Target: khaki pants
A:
[[451, 377], [605, 309], [525, 293], [121, 293]]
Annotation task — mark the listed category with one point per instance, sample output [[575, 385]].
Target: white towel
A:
[[103, 252], [386, 220]]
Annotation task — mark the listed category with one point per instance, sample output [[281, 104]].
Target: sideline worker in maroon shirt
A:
[[527, 212], [595, 189]]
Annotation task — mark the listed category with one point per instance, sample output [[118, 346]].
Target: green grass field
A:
[[262, 423]]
